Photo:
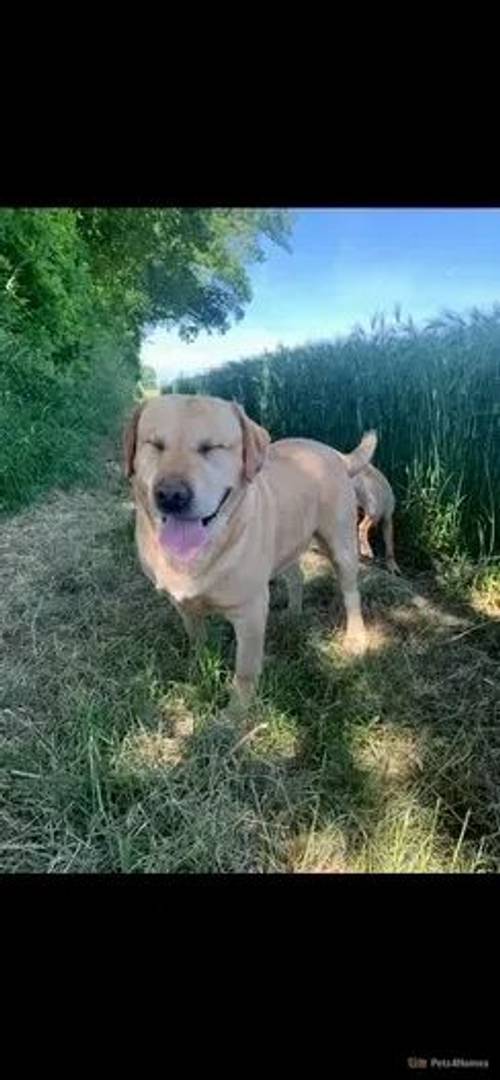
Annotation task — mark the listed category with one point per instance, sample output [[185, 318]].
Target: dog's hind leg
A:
[[365, 547], [295, 588], [340, 536], [388, 533]]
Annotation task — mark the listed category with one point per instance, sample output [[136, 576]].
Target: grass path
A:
[[110, 759]]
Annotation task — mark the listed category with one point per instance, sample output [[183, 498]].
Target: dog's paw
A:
[[355, 644], [235, 714], [393, 567]]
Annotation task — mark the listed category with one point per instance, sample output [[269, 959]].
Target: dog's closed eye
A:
[[206, 448], [157, 443]]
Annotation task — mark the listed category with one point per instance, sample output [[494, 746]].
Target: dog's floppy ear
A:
[[130, 441], [255, 442]]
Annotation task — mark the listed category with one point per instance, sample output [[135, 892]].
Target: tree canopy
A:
[[64, 273]]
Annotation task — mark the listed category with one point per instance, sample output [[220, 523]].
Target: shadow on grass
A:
[[386, 763], [114, 760], [414, 720]]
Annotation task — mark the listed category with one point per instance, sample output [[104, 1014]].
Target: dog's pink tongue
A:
[[182, 538]]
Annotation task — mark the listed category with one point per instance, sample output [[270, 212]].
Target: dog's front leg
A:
[[249, 624], [195, 628], [196, 631], [295, 588]]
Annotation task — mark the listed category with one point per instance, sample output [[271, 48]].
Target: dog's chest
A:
[[195, 605], [197, 590], [181, 586], [186, 593]]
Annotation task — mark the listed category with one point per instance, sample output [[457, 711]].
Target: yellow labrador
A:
[[220, 510], [375, 498]]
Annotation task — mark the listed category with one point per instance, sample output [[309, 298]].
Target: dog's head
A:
[[187, 454]]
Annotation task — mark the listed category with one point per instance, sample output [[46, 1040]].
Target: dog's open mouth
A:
[[184, 537], [206, 520]]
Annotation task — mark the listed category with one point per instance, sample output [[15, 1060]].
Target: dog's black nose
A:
[[173, 497]]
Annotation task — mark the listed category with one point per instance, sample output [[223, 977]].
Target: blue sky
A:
[[345, 266]]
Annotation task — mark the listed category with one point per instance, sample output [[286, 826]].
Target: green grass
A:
[[52, 424], [111, 758], [111, 755], [433, 395]]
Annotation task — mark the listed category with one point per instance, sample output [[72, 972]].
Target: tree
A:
[[45, 285], [78, 288], [176, 266], [67, 275]]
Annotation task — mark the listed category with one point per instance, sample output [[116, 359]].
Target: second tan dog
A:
[[376, 500], [220, 511]]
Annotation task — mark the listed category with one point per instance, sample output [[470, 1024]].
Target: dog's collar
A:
[[211, 517]]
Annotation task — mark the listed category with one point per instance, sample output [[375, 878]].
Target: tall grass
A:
[[433, 394], [52, 424]]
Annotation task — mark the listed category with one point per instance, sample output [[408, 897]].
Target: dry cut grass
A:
[[112, 760]]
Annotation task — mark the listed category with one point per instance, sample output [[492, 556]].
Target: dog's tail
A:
[[362, 455]]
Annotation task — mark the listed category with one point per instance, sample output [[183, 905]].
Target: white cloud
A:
[[169, 356]]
